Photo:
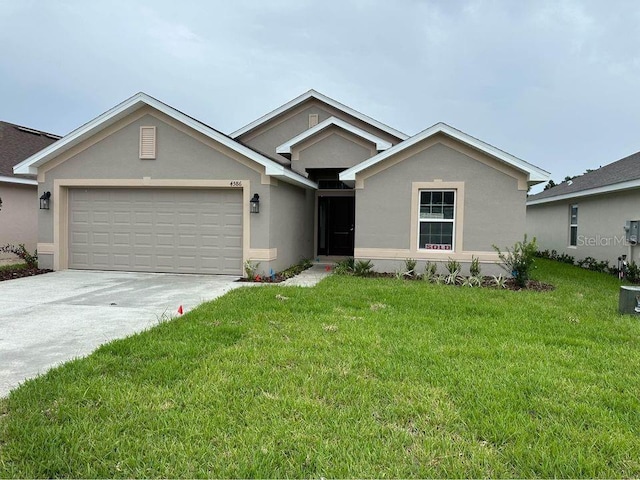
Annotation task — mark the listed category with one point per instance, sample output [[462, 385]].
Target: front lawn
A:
[[353, 378]]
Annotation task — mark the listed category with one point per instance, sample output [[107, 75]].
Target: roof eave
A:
[[323, 98], [534, 174], [137, 101], [285, 148], [17, 180], [616, 187]]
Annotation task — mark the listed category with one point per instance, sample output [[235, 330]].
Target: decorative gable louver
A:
[[148, 142]]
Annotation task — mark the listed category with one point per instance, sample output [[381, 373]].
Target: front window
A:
[[573, 226], [437, 219]]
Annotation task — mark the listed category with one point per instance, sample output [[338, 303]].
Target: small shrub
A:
[[470, 281], [500, 281], [251, 268], [474, 268], [633, 272], [345, 267], [438, 279], [362, 268], [430, 270], [519, 261], [566, 258], [453, 267], [21, 252], [410, 267]]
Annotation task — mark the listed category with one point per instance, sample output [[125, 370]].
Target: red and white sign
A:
[[435, 246]]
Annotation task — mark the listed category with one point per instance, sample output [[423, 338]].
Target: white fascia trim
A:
[[323, 98], [22, 181], [616, 187], [380, 143], [272, 168], [536, 175]]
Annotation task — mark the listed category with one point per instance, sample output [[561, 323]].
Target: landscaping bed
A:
[[11, 272]]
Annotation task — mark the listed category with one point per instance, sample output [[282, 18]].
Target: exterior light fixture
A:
[[45, 200], [255, 203]]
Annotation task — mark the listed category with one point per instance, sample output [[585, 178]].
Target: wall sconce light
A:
[[45, 200], [255, 203]]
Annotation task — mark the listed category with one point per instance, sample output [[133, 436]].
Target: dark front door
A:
[[336, 221]]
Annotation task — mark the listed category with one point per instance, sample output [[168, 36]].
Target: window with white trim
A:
[[573, 225], [437, 220]]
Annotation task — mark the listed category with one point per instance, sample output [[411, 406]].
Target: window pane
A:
[[573, 241], [425, 198], [436, 197], [436, 235], [574, 215], [448, 198], [448, 212]]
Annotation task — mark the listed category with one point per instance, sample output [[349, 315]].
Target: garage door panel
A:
[[156, 230]]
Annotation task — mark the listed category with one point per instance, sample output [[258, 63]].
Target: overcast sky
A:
[[554, 83]]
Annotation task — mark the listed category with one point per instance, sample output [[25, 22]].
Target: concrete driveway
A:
[[48, 319]]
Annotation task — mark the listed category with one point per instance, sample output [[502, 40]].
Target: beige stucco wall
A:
[[601, 220], [18, 218], [492, 209], [184, 157], [291, 224], [333, 148], [279, 130]]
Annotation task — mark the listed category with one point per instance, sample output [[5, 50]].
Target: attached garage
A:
[[156, 230]]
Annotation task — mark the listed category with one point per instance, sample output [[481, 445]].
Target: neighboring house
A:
[[586, 216], [19, 209], [144, 187]]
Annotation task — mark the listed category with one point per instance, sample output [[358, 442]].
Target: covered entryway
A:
[[336, 225], [156, 230]]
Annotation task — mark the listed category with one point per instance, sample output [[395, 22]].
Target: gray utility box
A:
[[632, 231], [629, 301]]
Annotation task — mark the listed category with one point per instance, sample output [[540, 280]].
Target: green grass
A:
[[353, 378], [13, 267]]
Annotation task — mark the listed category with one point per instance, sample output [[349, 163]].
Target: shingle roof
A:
[[623, 170], [18, 143]]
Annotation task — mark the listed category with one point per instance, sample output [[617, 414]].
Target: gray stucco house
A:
[[587, 215], [144, 187], [19, 209]]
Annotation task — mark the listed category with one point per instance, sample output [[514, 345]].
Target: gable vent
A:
[[148, 142], [313, 119]]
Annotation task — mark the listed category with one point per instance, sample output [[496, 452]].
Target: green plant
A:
[[21, 252], [474, 268], [632, 272], [519, 260], [430, 270], [362, 268], [453, 266], [251, 268], [345, 266], [500, 281], [410, 267]]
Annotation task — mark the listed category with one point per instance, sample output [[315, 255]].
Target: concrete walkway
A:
[[309, 277]]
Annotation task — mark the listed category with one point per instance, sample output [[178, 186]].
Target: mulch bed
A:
[[277, 278], [487, 282], [21, 272]]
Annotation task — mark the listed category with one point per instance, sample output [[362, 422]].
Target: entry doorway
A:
[[336, 225]]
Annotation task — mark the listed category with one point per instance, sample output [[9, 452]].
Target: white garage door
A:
[[156, 230]]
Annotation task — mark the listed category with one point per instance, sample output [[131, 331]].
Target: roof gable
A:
[[534, 174], [18, 143], [272, 168], [621, 175], [323, 98], [285, 148]]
